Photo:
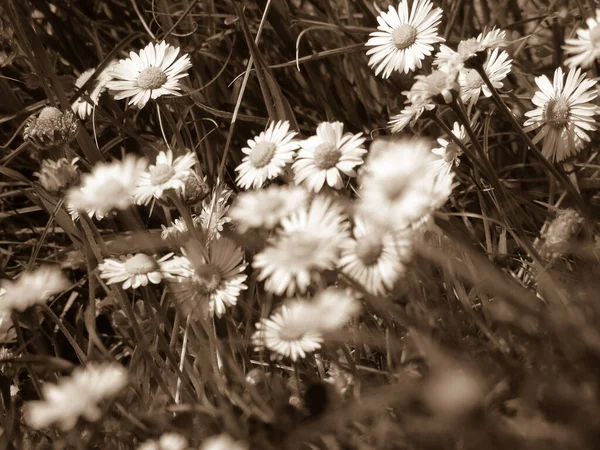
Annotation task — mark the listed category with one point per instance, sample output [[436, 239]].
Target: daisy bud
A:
[[51, 128], [58, 176], [561, 230], [194, 190]]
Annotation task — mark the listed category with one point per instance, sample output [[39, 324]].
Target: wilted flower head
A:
[[32, 288], [76, 396], [58, 176], [51, 128]]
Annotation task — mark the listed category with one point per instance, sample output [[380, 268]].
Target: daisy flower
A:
[[309, 242], [32, 288], [564, 113], [374, 258], [109, 186], [449, 151], [267, 155], [585, 49], [168, 441], [223, 442], [82, 107], [404, 38], [289, 332], [266, 207], [423, 95], [333, 308], [178, 229], [324, 157], [213, 284], [134, 270], [76, 396], [154, 72], [399, 187], [213, 215], [497, 66], [166, 174], [449, 60]]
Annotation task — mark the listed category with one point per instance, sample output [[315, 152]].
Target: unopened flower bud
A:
[[58, 176], [195, 190], [51, 128], [561, 230]]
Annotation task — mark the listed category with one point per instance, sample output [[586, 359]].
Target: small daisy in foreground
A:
[[399, 187], [134, 270], [497, 66], [564, 113], [109, 186], [223, 442], [213, 285], [449, 151], [404, 38], [423, 95], [585, 50], [168, 441], [266, 207], [152, 73], [76, 396], [325, 156], [81, 106], [267, 155], [166, 174], [289, 332], [374, 258], [309, 242], [32, 288]]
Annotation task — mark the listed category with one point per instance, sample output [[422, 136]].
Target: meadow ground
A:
[[299, 224]]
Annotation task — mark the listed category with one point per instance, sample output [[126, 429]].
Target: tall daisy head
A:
[[167, 174], [109, 186], [267, 155], [398, 186], [211, 285], [374, 257], [77, 396], [585, 49], [309, 241], [136, 270], [564, 113], [323, 158], [153, 72], [404, 37], [31, 288]]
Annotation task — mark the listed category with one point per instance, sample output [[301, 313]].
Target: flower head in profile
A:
[[323, 158], [425, 93], [165, 175], [109, 186], [449, 152], [267, 155], [178, 230], [398, 186], [585, 49], [497, 66], [77, 396], [211, 285], [310, 241], [223, 442], [135, 270], [375, 258], [154, 72], [290, 332], [32, 288], [265, 208], [82, 106], [564, 114], [404, 38]]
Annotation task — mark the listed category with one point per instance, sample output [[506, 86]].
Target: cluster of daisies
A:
[[564, 113]]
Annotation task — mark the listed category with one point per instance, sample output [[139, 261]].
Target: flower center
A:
[[326, 156], [556, 112], [473, 79], [140, 264], [161, 173], [208, 278], [262, 154], [595, 35], [302, 247], [151, 78], [368, 249], [404, 36], [290, 334]]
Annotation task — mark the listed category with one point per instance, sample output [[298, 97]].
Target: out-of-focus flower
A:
[[223, 442], [168, 441], [561, 230], [32, 288], [585, 49], [58, 176]]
